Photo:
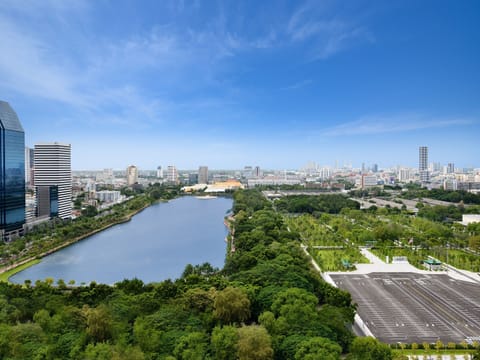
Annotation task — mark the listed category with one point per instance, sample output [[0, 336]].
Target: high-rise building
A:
[[450, 168], [53, 179], [159, 172], [203, 175], [172, 174], [375, 168], [423, 164], [257, 172], [132, 175], [12, 173], [404, 175], [29, 159]]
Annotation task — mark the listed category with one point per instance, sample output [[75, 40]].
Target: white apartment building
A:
[[108, 196], [53, 179], [172, 174]]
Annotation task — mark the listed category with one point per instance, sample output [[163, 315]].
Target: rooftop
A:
[[8, 118]]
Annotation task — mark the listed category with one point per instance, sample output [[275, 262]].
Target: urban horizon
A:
[[191, 83]]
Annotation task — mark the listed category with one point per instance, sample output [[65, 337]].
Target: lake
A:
[[154, 245]]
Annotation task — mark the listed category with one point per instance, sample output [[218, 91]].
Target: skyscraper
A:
[[53, 180], [12, 173], [29, 160], [203, 175], [159, 172], [423, 163], [450, 168], [172, 174], [132, 175]]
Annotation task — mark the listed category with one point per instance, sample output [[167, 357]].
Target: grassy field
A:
[[7, 274], [331, 260], [456, 258], [432, 354]]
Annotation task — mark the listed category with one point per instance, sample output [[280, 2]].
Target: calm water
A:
[[155, 245]]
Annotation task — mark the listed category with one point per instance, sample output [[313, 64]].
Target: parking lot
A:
[[412, 307]]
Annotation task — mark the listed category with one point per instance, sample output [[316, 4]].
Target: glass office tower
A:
[[12, 173]]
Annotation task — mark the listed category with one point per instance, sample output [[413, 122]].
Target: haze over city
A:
[[270, 83]]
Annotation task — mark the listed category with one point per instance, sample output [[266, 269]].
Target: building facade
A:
[[159, 172], [132, 175], [12, 173], [203, 175], [423, 164], [172, 174], [53, 180], [450, 168], [108, 196], [29, 167]]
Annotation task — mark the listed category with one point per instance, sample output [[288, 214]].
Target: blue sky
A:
[[233, 83]]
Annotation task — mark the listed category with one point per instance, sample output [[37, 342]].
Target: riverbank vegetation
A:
[[267, 303]]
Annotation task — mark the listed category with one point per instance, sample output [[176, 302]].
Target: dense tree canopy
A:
[[267, 303]]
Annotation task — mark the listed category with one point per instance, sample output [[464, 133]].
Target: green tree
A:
[[368, 348], [192, 347], [224, 343], [90, 211], [99, 351], [318, 348], [254, 343], [99, 322], [231, 305]]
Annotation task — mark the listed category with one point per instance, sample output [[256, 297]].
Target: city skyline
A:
[[275, 84]]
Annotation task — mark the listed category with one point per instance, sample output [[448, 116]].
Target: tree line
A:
[[266, 303]]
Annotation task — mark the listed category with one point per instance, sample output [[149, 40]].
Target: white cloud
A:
[[392, 124], [328, 34]]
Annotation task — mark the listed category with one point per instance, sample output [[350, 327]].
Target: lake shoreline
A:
[[19, 266], [198, 213]]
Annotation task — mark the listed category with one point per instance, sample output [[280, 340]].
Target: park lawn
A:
[[459, 259], [415, 257], [432, 352], [456, 258], [331, 260], [7, 274]]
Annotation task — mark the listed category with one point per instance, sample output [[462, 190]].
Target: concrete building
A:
[[12, 173], [450, 184], [450, 168], [132, 175], [172, 174], [257, 172], [423, 164], [53, 180], [193, 179], [159, 172], [368, 181], [29, 166], [108, 196], [404, 175], [203, 175]]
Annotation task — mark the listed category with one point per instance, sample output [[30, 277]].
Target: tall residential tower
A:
[[203, 175], [423, 164], [12, 173], [53, 179], [132, 175]]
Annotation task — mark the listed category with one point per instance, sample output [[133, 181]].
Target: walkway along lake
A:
[[155, 245]]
